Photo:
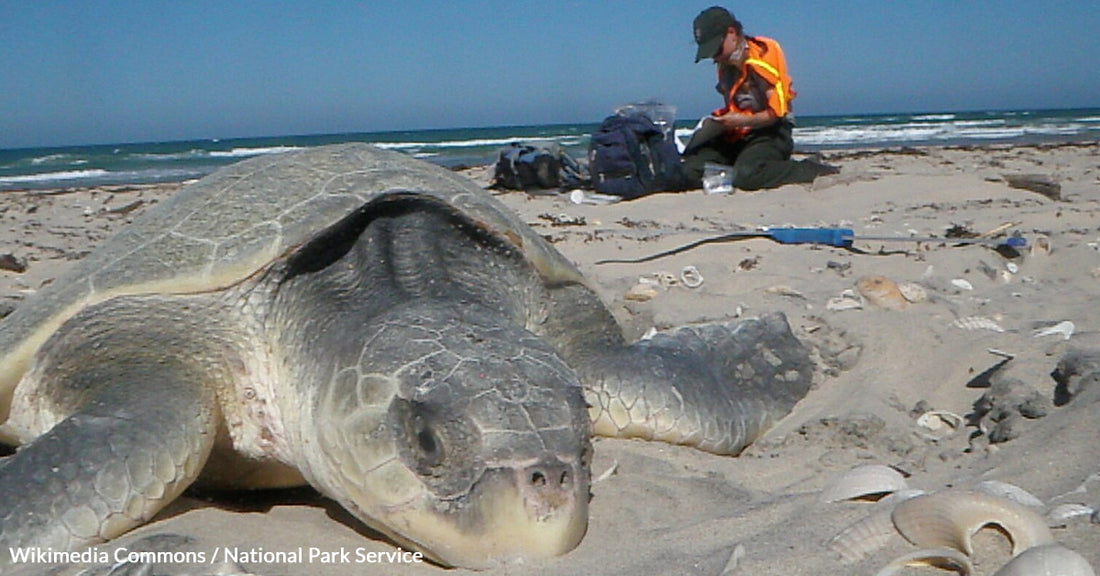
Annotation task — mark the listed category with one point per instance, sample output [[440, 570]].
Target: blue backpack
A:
[[629, 156]]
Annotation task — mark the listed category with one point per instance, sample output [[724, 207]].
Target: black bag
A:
[[526, 167], [629, 156]]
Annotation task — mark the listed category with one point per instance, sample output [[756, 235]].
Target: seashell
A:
[[691, 277], [882, 292], [1010, 491], [873, 532], [641, 292], [611, 471], [962, 284], [941, 423], [784, 290], [1062, 513], [839, 303], [913, 292], [666, 279], [864, 482], [950, 517], [1012, 268], [977, 323], [1047, 560], [1065, 329], [946, 558], [1040, 246]]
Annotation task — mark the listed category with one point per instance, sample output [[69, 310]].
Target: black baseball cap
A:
[[710, 28]]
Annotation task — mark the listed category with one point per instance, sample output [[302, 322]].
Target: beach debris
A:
[[13, 263], [848, 300], [940, 424], [1047, 560], [1038, 183], [784, 290], [1061, 514], [1012, 268], [962, 284], [882, 292], [666, 279], [868, 482], [641, 292], [1064, 329], [126, 208], [1040, 246], [913, 292], [691, 277], [1010, 491], [557, 220], [583, 197], [950, 518], [945, 558], [736, 557], [611, 471], [872, 532], [977, 323]]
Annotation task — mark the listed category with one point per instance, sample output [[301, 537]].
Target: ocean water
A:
[[150, 162]]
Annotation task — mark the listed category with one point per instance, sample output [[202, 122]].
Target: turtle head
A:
[[470, 445]]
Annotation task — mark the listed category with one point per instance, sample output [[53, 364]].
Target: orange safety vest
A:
[[765, 58]]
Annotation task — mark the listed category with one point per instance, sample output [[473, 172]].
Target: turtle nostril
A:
[[538, 478]]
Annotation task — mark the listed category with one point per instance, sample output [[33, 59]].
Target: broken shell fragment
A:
[[1064, 329], [940, 424], [882, 292], [962, 284], [839, 303], [1047, 560], [871, 482], [872, 532], [1040, 246], [913, 292], [1010, 491], [949, 518], [946, 558], [977, 323], [1061, 514], [641, 292]]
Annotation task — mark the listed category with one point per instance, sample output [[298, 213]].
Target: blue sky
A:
[[77, 72]]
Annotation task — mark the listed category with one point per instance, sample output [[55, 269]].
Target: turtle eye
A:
[[431, 447]]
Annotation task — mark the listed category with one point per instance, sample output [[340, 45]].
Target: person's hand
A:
[[732, 121]]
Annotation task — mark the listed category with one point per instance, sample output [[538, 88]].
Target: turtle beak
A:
[[511, 515]]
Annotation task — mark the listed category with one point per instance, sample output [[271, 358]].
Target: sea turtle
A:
[[371, 324]]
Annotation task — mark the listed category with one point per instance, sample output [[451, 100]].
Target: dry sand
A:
[[674, 510]]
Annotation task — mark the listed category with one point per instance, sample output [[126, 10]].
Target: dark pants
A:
[[760, 160]]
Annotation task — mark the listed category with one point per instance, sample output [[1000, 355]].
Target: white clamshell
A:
[[1010, 491], [950, 517], [871, 482], [1048, 560]]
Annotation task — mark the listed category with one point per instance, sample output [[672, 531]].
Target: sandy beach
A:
[[977, 334]]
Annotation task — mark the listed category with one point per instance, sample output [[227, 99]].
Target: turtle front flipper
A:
[[716, 387], [129, 449]]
